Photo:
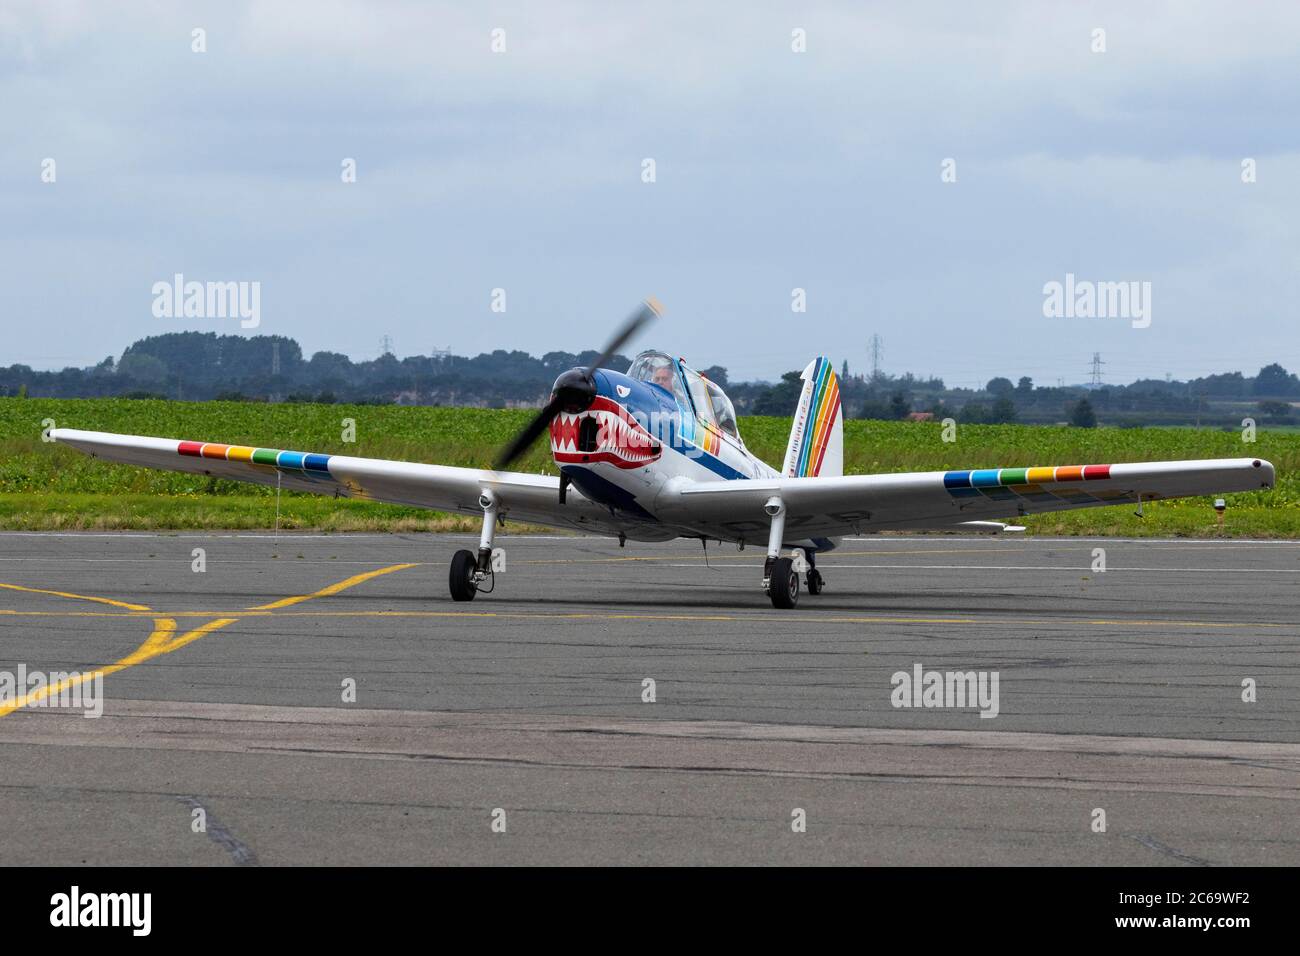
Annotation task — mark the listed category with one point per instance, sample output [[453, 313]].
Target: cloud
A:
[[775, 169]]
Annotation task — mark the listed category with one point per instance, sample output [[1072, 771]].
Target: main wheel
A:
[[463, 585], [784, 585], [814, 581]]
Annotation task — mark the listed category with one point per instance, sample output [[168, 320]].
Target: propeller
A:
[[575, 390]]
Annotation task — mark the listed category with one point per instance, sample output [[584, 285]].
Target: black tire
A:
[[784, 585], [814, 581], [463, 585]]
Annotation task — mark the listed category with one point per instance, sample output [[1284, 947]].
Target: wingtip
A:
[[1268, 476]]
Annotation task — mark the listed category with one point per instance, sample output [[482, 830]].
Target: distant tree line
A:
[[204, 365], [199, 366]]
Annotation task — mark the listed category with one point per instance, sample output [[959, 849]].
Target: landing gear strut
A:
[[780, 579], [468, 570]]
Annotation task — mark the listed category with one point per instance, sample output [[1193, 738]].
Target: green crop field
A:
[[47, 486]]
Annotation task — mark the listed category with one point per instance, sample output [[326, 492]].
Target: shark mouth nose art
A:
[[603, 433]]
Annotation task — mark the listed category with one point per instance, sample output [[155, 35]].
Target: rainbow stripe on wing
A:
[[297, 462], [822, 412], [1002, 484]]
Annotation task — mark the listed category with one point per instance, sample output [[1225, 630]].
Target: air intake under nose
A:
[[588, 433]]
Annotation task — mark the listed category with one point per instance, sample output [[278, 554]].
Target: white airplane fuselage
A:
[[636, 441]]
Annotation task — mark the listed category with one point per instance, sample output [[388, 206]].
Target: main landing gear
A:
[[468, 570], [781, 581], [781, 575]]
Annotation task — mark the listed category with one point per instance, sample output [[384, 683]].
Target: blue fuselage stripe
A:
[[715, 465]]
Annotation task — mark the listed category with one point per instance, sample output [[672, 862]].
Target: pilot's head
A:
[[663, 376]]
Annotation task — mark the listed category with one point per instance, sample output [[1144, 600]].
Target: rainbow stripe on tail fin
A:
[[817, 436]]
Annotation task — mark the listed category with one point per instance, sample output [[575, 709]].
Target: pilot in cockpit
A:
[[655, 368]]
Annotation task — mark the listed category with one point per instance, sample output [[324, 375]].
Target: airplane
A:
[[655, 454]]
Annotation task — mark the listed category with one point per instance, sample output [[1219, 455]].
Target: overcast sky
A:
[[774, 170]]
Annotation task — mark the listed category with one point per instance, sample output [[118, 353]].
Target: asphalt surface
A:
[[223, 698]]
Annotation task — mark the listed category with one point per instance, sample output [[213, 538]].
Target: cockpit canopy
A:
[[657, 368], [691, 390], [723, 409]]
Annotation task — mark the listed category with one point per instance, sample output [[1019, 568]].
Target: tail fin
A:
[[817, 436]]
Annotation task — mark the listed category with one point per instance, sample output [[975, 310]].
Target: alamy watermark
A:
[[1084, 299], [65, 690], [129, 910], [951, 689], [208, 300]]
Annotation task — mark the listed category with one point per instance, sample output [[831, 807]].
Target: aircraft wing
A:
[[524, 497], [827, 507]]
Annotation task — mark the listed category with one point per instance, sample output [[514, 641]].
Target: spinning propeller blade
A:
[[524, 440], [650, 308], [576, 389]]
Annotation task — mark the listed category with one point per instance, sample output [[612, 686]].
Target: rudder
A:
[[816, 446]]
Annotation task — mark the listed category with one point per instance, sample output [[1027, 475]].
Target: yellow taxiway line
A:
[[736, 618], [164, 638], [78, 597], [161, 641], [332, 589], [715, 558]]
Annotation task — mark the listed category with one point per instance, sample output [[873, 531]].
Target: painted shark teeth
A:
[[620, 439]]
